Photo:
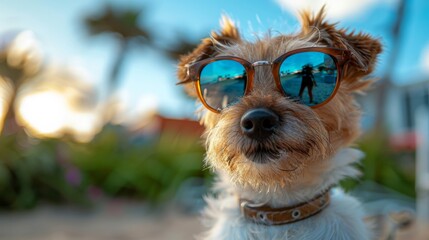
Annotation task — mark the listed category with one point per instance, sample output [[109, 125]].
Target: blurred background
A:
[[97, 141]]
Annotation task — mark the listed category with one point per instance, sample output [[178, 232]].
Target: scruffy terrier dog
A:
[[280, 116]]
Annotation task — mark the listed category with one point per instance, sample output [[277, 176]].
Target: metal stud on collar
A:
[[264, 214], [296, 214]]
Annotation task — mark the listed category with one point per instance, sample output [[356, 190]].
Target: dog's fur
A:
[[305, 156]]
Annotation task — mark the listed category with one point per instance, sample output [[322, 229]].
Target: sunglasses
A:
[[309, 76]]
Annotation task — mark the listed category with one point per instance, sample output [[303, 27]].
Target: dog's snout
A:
[[259, 123]]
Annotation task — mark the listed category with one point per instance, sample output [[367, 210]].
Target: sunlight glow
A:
[[56, 103], [83, 125], [50, 114], [44, 112]]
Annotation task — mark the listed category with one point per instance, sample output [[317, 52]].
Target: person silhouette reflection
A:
[[307, 81]]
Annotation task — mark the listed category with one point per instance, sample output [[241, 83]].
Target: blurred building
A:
[[185, 127], [400, 111], [154, 125]]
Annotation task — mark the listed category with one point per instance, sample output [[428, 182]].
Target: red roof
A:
[[404, 141], [179, 126]]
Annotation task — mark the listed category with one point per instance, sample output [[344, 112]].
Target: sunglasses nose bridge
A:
[[261, 78], [262, 63]]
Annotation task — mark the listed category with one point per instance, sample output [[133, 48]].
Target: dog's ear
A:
[[363, 47], [209, 47]]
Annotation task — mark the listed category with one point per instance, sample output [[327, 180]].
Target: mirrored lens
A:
[[222, 83], [308, 77]]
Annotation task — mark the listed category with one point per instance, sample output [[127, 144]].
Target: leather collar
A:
[[278, 216]]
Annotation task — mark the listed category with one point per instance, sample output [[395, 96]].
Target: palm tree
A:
[[181, 46], [125, 27], [20, 59]]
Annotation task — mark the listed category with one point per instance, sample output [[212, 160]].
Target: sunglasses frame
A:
[[340, 57]]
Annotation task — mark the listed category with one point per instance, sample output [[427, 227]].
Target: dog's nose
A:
[[259, 123]]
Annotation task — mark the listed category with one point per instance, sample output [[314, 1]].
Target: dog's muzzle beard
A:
[[273, 150], [262, 129], [262, 153]]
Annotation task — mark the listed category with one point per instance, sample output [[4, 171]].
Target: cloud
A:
[[425, 59], [336, 9]]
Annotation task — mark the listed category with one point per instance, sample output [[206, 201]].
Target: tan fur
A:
[[308, 138]]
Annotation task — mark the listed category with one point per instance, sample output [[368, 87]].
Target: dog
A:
[[278, 155]]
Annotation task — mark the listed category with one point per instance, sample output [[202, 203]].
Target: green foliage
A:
[[151, 168], [151, 171], [30, 172], [381, 165], [59, 171]]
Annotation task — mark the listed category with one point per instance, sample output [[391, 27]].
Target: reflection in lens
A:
[[222, 83], [308, 77]]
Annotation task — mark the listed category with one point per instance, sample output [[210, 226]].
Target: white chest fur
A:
[[341, 220]]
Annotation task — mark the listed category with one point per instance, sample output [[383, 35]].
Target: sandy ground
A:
[[118, 220], [128, 220]]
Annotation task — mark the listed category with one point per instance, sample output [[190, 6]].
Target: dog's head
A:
[[261, 129]]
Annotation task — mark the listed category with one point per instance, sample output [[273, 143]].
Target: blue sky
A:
[[149, 77]]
